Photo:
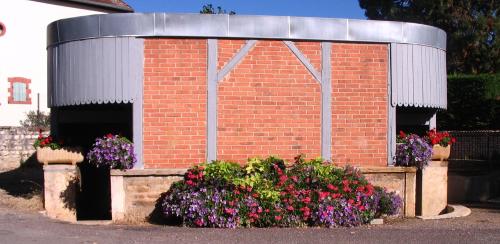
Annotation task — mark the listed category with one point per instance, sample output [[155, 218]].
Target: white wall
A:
[[23, 51]]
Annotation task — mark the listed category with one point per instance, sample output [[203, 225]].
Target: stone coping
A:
[[147, 172], [161, 172], [390, 169]]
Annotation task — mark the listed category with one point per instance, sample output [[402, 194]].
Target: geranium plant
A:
[[46, 141], [413, 150], [440, 138], [266, 193], [113, 151]]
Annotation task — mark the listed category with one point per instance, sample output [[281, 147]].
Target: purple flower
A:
[[112, 151], [414, 151]]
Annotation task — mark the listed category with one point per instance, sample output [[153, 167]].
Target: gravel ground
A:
[[482, 226]]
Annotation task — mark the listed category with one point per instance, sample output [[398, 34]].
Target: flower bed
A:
[[267, 193]]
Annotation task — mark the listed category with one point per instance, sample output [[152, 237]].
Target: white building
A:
[[23, 56]]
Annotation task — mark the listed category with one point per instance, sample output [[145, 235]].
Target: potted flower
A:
[[50, 152], [441, 144], [412, 150], [113, 151]]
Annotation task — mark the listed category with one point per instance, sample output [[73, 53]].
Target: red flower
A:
[[350, 201], [402, 134], [306, 200], [323, 195], [278, 218], [109, 135], [290, 208]]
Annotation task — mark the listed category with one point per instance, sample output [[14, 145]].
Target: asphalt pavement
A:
[[482, 226]]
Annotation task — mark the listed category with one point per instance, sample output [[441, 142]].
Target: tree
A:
[[209, 9], [35, 121], [472, 28]]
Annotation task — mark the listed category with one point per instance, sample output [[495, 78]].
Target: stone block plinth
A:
[[401, 180], [432, 191], [61, 183]]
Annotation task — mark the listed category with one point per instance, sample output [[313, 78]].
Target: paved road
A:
[[483, 226]]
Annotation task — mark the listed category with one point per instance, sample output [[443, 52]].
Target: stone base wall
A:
[[402, 180], [16, 146], [134, 192], [61, 184]]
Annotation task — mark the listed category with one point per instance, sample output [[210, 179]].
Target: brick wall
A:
[[174, 102], [268, 105], [359, 104]]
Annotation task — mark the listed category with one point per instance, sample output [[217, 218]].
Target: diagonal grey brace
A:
[[304, 60], [236, 59]]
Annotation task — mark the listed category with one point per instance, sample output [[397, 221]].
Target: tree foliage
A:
[[473, 103], [36, 121], [209, 9], [472, 28]]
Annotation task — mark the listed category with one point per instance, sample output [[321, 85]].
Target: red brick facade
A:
[[174, 102], [269, 104], [359, 104]]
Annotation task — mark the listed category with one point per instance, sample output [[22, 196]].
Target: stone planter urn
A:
[[46, 155], [440, 153]]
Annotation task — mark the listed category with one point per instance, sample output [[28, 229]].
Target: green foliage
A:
[[209, 9], [36, 121], [222, 170], [473, 103], [472, 28]]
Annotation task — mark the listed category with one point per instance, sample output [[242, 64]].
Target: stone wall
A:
[[134, 192], [16, 145]]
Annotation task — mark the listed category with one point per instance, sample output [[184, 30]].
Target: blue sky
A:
[[314, 8]]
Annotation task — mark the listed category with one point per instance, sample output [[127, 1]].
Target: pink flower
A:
[[306, 200], [198, 222], [290, 208], [329, 208], [278, 218], [229, 211]]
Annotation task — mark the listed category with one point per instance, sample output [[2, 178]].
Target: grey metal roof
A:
[[115, 5], [243, 26]]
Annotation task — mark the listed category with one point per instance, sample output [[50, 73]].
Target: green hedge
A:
[[473, 103]]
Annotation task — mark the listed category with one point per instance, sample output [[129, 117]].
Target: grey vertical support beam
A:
[[137, 130], [212, 100], [391, 110], [326, 101], [138, 101]]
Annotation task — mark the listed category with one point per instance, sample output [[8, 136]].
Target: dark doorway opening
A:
[[79, 126]]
